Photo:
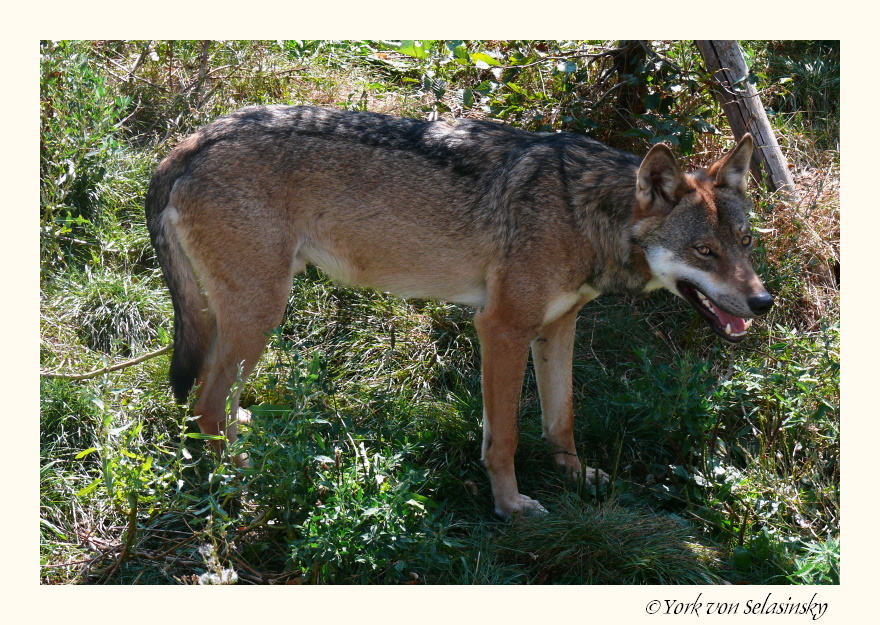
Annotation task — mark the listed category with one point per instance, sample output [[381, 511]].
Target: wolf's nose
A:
[[761, 303]]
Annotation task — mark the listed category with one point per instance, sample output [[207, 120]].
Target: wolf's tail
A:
[[193, 324]]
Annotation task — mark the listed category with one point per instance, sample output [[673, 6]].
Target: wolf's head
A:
[[694, 230]]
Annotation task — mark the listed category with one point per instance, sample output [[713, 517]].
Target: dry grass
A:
[[804, 239]]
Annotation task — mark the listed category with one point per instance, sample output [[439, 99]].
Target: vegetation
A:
[[365, 437]]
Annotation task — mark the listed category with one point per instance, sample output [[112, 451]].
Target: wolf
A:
[[526, 227]]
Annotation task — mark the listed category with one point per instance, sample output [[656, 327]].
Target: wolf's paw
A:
[[519, 505], [568, 464], [593, 477], [243, 416]]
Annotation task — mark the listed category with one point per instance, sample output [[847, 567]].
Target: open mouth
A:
[[725, 325]]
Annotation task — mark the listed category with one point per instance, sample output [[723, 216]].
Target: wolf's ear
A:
[[659, 180], [732, 170]]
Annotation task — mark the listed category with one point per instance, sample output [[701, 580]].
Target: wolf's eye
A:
[[747, 240], [703, 250]]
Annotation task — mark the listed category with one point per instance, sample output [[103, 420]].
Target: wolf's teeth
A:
[[748, 323], [727, 329], [705, 301]]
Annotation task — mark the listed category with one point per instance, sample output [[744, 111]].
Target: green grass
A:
[[367, 417]]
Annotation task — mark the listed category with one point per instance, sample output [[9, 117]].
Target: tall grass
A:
[[366, 428]]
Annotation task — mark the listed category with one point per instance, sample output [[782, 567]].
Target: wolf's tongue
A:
[[737, 324]]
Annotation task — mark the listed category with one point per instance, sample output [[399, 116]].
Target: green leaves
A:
[[80, 118], [414, 48], [483, 60], [662, 128], [459, 52], [467, 97], [818, 563], [349, 498]]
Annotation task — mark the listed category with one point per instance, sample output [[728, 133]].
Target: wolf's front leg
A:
[[504, 347], [552, 353]]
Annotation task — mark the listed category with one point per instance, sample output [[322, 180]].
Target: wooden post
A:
[[744, 111]]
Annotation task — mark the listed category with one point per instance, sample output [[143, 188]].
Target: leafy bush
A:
[[819, 564], [79, 122], [540, 85], [351, 513], [800, 85], [674, 399]]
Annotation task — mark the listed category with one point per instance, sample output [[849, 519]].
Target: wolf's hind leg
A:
[[248, 301]]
